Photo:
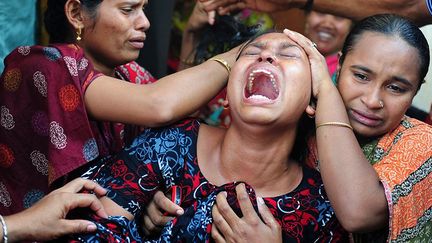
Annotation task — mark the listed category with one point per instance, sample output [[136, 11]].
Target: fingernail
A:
[[91, 227], [260, 200], [180, 212]]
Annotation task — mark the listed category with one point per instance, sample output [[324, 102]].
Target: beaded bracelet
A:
[[5, 236], [222, 62], [338, 124]]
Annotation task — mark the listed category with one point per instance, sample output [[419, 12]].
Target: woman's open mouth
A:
[[262, 85]]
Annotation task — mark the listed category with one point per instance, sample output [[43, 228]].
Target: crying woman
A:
[[259, 156]]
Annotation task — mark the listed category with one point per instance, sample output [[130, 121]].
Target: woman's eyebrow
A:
[[259, 45], [286, 45]]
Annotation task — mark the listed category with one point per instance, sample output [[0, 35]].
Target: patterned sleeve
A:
[[44, 86], [405, 169], [133, 72]]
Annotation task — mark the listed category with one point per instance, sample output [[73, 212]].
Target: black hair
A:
[[391, 25], [56, 22], [225, 34]]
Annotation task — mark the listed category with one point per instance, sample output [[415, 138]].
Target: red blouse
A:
[[45, 131]]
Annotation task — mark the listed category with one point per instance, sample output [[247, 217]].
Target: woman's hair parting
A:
[[56, 22], [391, 25]]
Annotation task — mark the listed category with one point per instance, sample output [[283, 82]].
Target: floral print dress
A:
[[161, 158]]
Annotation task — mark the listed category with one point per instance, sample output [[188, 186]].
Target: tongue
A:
[[263, 86]]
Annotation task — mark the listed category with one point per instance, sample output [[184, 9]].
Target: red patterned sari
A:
[[45, 131]]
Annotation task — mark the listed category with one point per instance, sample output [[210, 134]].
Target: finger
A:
[[155, 215], [149, 227], [83, 200], [225, 210], [220, 223], [245, 203], [76, 226], [231, 8], [211, 17], [165, 204], [79, 184], [216, 235], [303, 42], [213, 5], [266, 215]]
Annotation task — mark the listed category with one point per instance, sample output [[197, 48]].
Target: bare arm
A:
[[171, 98], [415, 10], [351, 183], [192, 33]]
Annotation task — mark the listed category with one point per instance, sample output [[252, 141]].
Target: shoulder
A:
[[405, 152], [134, 73], [48, 59], [410, 133], [169, 138]]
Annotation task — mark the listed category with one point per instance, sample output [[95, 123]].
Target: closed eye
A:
[[288, 55], [251, 53]]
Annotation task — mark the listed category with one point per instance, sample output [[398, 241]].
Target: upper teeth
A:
[[252, 78]]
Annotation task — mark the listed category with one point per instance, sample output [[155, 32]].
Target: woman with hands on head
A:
[[257, 160], [65, 105], [46, 220]]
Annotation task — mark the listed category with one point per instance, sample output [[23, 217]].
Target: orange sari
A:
[[402, 159]]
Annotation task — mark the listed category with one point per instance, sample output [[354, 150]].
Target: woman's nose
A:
[[269, 59], [142, 22], [372, 99], [267, 55]]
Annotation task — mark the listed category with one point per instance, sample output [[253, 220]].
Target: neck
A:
[[98, 65], [260, 157]]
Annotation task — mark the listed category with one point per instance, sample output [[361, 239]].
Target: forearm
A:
[[171, 98], [192, 88], [190, 41], [351, 183], [415, 10]]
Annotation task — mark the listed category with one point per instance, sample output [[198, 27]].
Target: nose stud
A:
[[381, 103]]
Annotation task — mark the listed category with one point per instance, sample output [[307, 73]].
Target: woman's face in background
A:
[[327, 31], [117, 33]]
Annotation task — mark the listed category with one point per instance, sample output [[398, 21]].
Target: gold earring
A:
[[78, 32]]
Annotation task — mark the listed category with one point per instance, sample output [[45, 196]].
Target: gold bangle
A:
[[222, 62], [338, 124]]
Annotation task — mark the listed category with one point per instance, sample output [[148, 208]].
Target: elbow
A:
[[359, 220], [162, 113], [163, 117], [353, 224]]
